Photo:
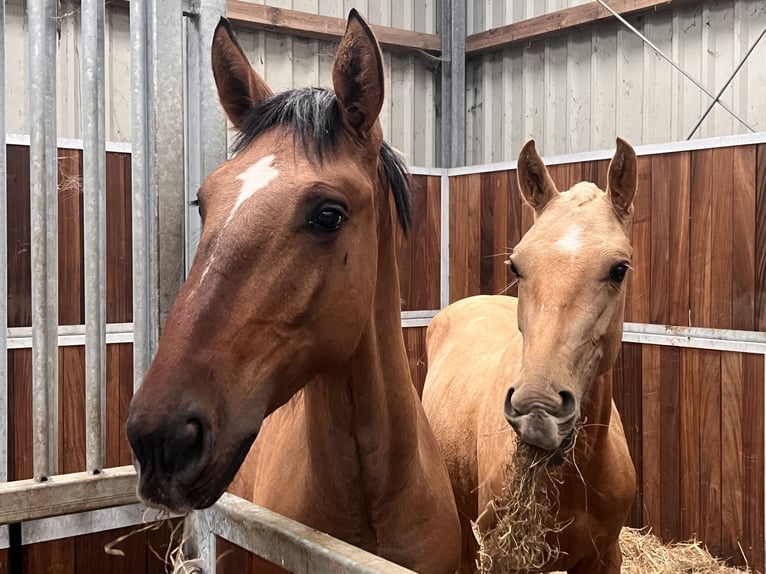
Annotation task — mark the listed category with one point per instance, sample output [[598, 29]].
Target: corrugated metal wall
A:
[[575, 92], [409, 117]]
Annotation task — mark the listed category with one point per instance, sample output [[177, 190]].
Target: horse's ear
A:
[[357, 75], [621, 182], [536, 185], [239, 86]]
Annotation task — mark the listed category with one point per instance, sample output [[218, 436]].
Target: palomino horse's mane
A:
[[313, 114]]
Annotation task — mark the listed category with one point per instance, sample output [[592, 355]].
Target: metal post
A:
[[94, 200], [3, 273], [44, 228], [158, 194], [206, 124], [453, 83], [199, 545]]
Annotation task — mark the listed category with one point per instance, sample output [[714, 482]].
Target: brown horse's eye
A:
[[328, 219], [617, 273]]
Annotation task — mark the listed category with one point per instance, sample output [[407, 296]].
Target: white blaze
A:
[[255, 177], [570, 241]]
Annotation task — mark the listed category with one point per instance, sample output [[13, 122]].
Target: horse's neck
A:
[[373, 401], [596, 416]]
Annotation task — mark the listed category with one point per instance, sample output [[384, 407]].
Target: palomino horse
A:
[[288, 326], [541, 363]]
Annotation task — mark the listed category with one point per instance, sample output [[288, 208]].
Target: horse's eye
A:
[[514, 269], [196, 203], [617, 273], [328, 219]]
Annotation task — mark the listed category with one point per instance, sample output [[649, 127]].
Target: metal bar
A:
[[206, 124], [289, 544], [444, 298], [3, 275], [69, 143], [44, 226], [25, 500], [662, 55], [89, 522], [94, 203], [71, 335], [726, 85], [143, 212], [4, 538], [643, 150], [453, 83], [199, 542]]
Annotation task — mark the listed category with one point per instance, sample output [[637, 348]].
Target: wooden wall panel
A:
[[70, 238], [4, 565], [710, 449], [732, 391], [637, 306], [415, 342], [753, 460], [651, 440], [743, 231], [465, 234], [119, 236], [670, 433], [48, 557], [20, 465], [760, 239], [690, 393], [71, 409], [19, 256]]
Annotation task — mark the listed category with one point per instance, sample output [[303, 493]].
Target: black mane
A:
[[313, 115]]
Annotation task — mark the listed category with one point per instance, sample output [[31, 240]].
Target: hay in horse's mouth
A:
[[514, 531]]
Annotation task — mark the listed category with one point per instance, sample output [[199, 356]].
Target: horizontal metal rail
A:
[[24, 500], [287, 543], [71, 335]]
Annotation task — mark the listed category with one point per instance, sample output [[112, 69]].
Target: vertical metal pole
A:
[[199, 542], [206, 124], [44, 229], [94, 199], [144, 211], [453, 83], [3, 271]]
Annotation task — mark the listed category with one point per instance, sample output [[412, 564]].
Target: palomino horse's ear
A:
[[621, 183], [357, 75], [535, 183], [239, 86]]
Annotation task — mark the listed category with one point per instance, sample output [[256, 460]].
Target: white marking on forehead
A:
[[570, 241], [255, 177]]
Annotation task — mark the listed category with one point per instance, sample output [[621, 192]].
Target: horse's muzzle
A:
[[544, 424]]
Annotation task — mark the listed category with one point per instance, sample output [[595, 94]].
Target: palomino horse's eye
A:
[[514, 270], [617, 273], [328, 219]]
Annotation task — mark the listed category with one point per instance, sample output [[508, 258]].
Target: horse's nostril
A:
[[185, 446], [508, 406], [568, 403]]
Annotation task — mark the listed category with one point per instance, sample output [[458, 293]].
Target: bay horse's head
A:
[[571, 267], [281, 287]]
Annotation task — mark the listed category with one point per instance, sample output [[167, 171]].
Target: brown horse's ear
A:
[[239, 86], [537, 187], [621, 183], [357, 75]]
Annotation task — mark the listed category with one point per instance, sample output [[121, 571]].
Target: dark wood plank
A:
[[70, 238], [710, 450], [114, 430], [19, 252], [690, 391], [161, 541], [630, 407], [679, 192], [71, 409], [125, 396], [418, 249], [465, 230], [670, 432], [47, 557], [487, 246], [651, 410], [415, 343], [516, 228], [307, 25], [503, 225], [760, 239], [743, 206], [555, 23], [701, 226], [20, 414], [4, 565], [91, 556], [232, 558], [119, 260], [659, 302], [722, 248], [753, 460], [732, 392], [637, 308]]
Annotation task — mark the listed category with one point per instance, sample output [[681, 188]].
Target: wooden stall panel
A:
[[19, 256], [752, 463], [415, 342], [70, 238], [760, 239], [743, 238], [637, 304], [71, 409], [20, 414], [119, 236], [465, 236]]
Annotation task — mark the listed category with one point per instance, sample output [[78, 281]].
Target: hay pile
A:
[[523, 514]]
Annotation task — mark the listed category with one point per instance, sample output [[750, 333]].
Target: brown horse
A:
[[541, 363], [288, 326]]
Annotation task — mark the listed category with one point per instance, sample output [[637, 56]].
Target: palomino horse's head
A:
[[282, 284], [570, 267]]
